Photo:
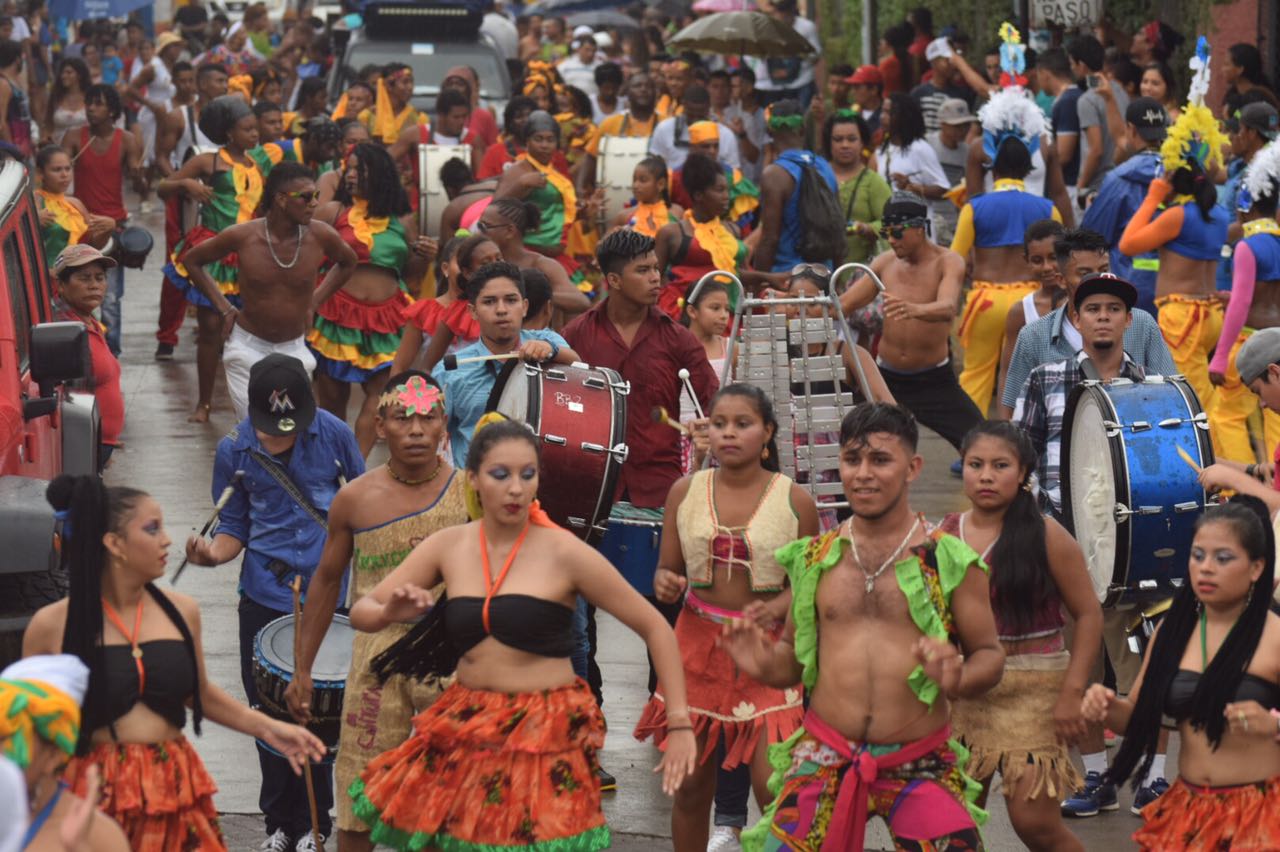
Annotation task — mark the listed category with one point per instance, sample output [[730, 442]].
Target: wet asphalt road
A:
[[172, 459]]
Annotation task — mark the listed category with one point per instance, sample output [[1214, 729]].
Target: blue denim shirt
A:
[[261, 513], [467, 389], [1227, 194]]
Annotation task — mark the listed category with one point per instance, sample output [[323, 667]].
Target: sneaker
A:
[[164, 351], [724, 839], [1095, 797], [956, 469], [607, 781], [1148, 794], [146, 207], [278, 842]]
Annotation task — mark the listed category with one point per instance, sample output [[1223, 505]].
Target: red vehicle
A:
[[46, 428]]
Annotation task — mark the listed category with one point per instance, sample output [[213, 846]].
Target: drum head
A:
[[1090, 486], [333, 660], [511, 392], [135, 240]]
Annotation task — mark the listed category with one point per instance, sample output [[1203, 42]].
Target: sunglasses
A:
[[307, 196], [811, 270], [485, 227], [897, 231]]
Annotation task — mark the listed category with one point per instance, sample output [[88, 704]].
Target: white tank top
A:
[[1029, 312]]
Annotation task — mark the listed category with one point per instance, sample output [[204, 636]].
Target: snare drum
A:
[[273, 670], [630, 543], [132, 245], [1129, 499], [580, 413]]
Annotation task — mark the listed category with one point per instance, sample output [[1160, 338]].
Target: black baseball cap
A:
[[1259, 116], [280, 398], [1105, 282], [1149, 117]]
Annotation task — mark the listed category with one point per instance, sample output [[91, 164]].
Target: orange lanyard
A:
[[133, 639], [489, 585]]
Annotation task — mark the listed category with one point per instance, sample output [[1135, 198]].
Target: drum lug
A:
[[1170, 421], [588, 447], [620, 453], [1189, 506], [1139, 426], [555, 375], [1150, 510], [555, 439], [1113, 428], [1201, 420], [623, 388], [1122, 512], [579, 523], [594, 382]]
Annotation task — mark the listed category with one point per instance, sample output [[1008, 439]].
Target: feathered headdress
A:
[[1261, 179], [1195, 136], [1011, 113]]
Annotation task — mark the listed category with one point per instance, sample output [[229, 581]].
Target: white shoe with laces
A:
[[307, 843], [278, 842], [723, 839]]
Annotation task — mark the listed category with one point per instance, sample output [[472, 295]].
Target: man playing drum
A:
[[292, 457], [1104, 310], [374, 522], [637, 122], [497, 299]]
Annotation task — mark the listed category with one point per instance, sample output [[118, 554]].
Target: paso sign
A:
[[1067, 13]]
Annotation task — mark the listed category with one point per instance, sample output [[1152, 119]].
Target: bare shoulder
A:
[[44, 632], [187, 605], [322, 229], [949, 261]]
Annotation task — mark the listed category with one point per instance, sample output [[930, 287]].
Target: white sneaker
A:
[[307, 843], [146, 207], [723, 839], [278, 842]]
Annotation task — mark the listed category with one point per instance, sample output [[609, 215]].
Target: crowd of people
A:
[[1024, 224]]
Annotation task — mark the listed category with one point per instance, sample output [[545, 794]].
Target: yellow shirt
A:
[[621, 124]]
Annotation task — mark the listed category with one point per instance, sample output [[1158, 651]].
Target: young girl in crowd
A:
[[653, 208]]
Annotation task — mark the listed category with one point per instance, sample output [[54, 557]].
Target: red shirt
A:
[[651, 363], [483, 127], [99, 178], [105, 378]]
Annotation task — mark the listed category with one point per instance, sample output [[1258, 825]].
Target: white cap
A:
[[62, 671], [583, 30], [939, 48]]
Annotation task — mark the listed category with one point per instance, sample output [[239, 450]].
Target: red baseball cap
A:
[[866, 75]]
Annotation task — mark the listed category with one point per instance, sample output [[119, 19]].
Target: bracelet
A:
[[230, 309], [1251, 471], [671, 728]]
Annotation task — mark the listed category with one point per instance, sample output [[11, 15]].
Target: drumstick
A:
[[223, 498], [660, 415], [1186, 457], [297, 652], [452, 362], [688, 385]]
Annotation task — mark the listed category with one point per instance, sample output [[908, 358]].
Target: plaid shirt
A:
[[1045, 341], [1040, 410]]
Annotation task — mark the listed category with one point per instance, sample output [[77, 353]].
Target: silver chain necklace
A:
[[857, 560], [297, 252]]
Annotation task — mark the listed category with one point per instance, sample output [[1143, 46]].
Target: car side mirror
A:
[[59, 354]]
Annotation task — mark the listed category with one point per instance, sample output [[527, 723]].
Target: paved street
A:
[[172, 459]]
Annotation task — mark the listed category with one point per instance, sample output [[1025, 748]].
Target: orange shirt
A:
[[621, 124]]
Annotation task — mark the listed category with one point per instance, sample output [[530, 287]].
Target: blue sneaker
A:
[[1148, 794], [1095, 797]]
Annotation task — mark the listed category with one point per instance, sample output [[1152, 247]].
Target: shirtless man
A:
[[922, 288], [280, 258], [374, 521], [1255, 305], [896, 647]]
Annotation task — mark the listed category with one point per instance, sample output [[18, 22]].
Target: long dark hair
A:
[[1192, 180], [657, 166], [710, 288], [764, 407], [84, 79], [377, 181], [908, 121], [87, 511], [899, 39], [1020, 579], [1251, 523]]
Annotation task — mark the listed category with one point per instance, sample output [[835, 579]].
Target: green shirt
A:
[[862, 198]]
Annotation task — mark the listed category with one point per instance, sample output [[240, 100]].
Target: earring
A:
[[1249, 597], [764, 455]]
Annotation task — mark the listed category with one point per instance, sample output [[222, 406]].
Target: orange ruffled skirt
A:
[[1242, 818], [491, 770], [722, 701], [159, 793]]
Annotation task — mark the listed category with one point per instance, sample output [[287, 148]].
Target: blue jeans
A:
[[733, 786], [582, 647], [111, 308]]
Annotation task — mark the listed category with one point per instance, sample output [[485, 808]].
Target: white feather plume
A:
[[1262, 177], [1012, 110]]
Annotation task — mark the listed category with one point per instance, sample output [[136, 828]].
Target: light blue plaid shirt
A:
[[467, 389], [1043, 342]]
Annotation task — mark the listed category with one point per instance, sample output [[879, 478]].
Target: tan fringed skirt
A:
[[1010, 729]]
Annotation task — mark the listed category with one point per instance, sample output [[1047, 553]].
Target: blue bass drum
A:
[[1130, 500]]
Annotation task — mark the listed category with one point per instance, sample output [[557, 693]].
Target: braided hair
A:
[[377, 181], [524, 215]]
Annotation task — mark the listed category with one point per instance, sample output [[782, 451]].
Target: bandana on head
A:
[[793, 122], [40, 697], [703, 131], [417, 396]]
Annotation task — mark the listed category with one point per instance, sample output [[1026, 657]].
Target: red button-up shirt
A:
[[651, 363]]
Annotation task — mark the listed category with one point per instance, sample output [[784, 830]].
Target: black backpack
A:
[[822, 234]]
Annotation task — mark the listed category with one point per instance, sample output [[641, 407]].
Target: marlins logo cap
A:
[[280, 398]]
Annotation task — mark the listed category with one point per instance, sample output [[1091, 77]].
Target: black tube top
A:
[[1177, 702], [526, 623], [170, 675]]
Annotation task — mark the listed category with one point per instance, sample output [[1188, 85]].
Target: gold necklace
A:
[[398, 478]]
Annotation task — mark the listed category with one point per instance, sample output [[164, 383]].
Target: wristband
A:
[[555, 350], [671, 728]]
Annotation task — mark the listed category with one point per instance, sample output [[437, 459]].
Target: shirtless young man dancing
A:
[[901, 621], [280, 258], [922, 289]]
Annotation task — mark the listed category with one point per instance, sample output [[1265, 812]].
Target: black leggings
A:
[[935, 397]]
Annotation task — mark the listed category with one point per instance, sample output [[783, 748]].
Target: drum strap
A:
[[1090, 372], [276, 472]]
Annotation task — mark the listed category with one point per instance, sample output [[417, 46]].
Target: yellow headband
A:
[[30, 708], [703, 131]]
